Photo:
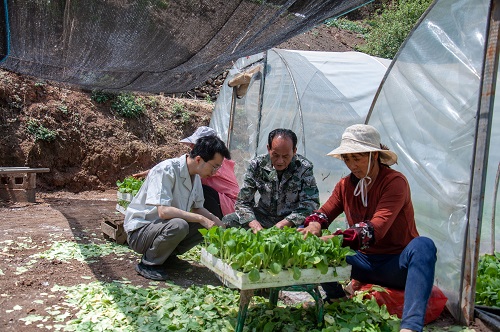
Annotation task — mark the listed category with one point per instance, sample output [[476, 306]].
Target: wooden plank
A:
[[22, 170]]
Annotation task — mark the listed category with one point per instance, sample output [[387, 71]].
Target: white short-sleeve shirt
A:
[[168, 184]]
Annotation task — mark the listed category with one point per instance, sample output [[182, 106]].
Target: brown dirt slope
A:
[[95, 146]]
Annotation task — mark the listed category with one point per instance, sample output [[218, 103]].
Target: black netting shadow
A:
[[151, 46]]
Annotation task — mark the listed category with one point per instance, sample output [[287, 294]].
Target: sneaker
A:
[[153, 272]]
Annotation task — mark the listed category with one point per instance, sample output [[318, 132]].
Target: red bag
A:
[[394, 300]]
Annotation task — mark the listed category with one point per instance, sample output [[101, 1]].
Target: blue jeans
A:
[[412, 270]]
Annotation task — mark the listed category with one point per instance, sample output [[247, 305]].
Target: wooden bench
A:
[[18, 184]]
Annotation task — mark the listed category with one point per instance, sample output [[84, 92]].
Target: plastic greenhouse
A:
[[435, 107], [308, 92]]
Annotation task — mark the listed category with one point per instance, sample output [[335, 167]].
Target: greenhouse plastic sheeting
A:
[[426, 112], [309, 92], [152, 46]]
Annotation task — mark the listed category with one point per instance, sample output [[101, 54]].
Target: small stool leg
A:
[[316, 294], [245, 297], [273, 296]]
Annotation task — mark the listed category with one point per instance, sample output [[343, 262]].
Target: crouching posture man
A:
[[163, 219]]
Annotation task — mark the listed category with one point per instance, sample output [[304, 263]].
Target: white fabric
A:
[[168, 184], [200, 132]]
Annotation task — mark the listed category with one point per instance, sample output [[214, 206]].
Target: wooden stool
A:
[[246, 296]]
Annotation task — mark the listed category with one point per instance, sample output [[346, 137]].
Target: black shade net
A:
[[148, 45]]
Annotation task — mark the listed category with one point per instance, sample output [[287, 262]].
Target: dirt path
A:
[[27, 229]]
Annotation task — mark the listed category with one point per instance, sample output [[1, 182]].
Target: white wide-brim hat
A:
[[202, 131], [361, 138]]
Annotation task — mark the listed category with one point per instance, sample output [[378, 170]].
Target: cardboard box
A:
[[267, 280]]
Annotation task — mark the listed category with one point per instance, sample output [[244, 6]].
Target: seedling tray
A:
[[124, 196], [267, 280]]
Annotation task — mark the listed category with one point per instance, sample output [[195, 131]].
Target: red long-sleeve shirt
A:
[[389, 209]]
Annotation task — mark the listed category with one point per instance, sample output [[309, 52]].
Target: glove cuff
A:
[[318, 217]]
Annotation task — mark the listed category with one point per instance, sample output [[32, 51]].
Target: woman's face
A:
[[358, 163]]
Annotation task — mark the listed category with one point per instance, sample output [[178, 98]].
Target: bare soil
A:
[[93, 149]]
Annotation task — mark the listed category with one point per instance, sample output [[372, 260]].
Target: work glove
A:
[[359, 236]]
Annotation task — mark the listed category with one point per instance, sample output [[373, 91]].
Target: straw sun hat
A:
[[361, 138]]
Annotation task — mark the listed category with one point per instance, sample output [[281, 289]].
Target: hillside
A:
[[93, 146]]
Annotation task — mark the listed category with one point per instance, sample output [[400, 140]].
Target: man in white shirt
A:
[[163, 219]]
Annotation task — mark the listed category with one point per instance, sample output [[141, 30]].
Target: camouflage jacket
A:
[[294, 198]]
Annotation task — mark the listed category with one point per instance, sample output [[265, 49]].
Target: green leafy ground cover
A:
[[122, 306], [488, 280]]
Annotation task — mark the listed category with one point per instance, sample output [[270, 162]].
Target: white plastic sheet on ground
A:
[[426, 113]]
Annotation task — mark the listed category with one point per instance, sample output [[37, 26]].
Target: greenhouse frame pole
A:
[[479, 165], [297, 98], [231, 117], [261, 103]]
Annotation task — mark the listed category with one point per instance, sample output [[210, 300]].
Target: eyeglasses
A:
[[215, 168]]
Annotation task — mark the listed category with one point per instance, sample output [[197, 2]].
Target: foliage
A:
[[39, 132], [389, 30], [123, 203], [274, 249], [359, 314], [65, 251], [100, 96], [345, 24], [208, 99], [122, 306], [129, 185], [128, 106], [63, 109], [119, 306], [488, 280], [179, 111]]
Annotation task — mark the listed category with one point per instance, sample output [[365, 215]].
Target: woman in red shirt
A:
[[377, 204]]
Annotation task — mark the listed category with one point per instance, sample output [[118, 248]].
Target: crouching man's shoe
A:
[[153, 272]]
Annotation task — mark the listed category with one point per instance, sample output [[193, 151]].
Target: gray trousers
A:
[[162, 238]]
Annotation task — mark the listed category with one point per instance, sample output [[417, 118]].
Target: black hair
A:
[[206, 147], [282, 132]]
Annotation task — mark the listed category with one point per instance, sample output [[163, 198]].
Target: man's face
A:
[[210, 167], [281, 152]]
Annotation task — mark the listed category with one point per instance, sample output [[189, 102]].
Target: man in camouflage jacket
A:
[[285, 182]]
